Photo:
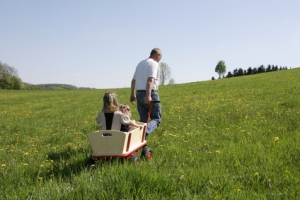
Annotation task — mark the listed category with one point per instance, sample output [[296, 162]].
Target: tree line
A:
[[9, 80], [221, 70]]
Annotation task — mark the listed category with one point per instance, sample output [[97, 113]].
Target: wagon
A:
[[117, 144], [110, 144]]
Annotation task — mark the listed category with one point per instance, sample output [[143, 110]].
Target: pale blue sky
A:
[[95, 43]]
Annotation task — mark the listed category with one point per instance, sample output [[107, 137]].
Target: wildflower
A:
[[25, 164], [40, 178], [3, 165], [276, 138], [256, 174], [218, 151], [26, 154]]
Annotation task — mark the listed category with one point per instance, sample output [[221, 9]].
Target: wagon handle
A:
[[150, 110]]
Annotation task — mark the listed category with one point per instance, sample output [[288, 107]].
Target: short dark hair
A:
[[155, 51]]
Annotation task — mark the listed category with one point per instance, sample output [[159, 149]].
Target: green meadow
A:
[[233, 138]]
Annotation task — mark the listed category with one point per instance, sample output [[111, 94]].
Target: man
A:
[[144, 86]]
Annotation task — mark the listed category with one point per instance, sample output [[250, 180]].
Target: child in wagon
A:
[[110, 117], [126, 110]]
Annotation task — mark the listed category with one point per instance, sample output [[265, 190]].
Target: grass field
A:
[[235, 138]]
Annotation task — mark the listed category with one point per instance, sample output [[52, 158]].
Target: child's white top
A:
[[118, 119]]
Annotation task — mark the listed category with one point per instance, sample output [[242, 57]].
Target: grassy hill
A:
[[234, 138]]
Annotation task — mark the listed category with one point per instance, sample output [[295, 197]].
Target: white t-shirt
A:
[[145, 69]]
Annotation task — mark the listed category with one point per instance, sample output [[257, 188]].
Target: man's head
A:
[[156, 54]]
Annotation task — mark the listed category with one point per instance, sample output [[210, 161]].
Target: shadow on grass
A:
[[66, 164]]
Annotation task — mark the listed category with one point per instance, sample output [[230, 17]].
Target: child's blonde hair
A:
[[110, 102], [125, 109]]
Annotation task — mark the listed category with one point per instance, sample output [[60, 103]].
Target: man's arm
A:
[[149, 86], [132, 95]]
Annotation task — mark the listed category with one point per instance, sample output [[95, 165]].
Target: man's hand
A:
[[147, 100], [132, 99]]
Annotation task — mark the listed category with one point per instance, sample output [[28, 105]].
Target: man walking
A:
[[144, 86]]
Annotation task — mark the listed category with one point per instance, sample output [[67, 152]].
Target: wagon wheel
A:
[[147, 153], [135, 159], [90, 161]]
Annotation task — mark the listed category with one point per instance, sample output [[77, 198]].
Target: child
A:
[[125, 109], [110, 116]]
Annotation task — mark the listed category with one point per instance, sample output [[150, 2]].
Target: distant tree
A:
[[241, 72], [261, 69], [235, 72], [220, 68], [249, 71], [254, 70], [212, 78], [269, 68], [229, 75], [9, 78], [165, 73], [171, 81]]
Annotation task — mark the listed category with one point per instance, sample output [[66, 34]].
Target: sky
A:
[[98, 44]]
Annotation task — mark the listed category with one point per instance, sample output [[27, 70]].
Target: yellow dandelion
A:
[[26, 154], [218, 151], [40, 178], [3, 165], [25, 164], [276, 138], [256, 174], [239, 190], [41, 165]]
